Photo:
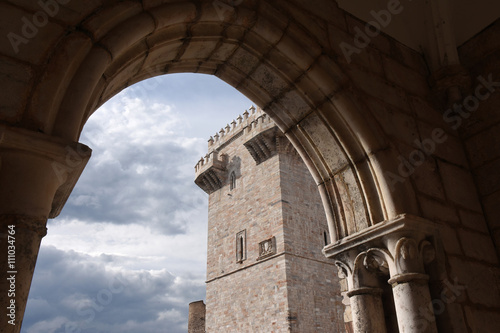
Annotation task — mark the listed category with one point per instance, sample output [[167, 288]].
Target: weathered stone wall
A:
[[245, 207], [253, 297], [314, 298], [276, 198], [481, 127], [455, 187], [252, 300], [480, 130]]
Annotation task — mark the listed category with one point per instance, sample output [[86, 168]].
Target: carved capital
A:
[[411, 256], [392, 249], [378, 261], [344, 271]]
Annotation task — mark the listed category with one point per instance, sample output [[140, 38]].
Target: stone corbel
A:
[[211, 172], [262, 145]]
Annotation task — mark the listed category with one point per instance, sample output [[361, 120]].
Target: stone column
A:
[[16, 273], [364, 295], [367, 310], [410, 286], [37, 173]]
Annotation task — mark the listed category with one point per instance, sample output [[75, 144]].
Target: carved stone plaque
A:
[[267, 248]]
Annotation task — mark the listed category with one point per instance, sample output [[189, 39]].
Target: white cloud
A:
[[137, 243]]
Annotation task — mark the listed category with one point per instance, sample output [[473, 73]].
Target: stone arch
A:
[[255, 47]]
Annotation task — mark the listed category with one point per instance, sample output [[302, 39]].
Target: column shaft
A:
[[20, 238], [412, 300], [367, 310]]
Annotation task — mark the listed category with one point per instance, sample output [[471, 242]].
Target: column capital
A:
[[38, 171], [394, 247], [397, 249]]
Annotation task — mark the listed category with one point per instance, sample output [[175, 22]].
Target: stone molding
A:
[[395, 247], [404, 225]]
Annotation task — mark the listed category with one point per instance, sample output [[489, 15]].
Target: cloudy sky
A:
[[128, 252]]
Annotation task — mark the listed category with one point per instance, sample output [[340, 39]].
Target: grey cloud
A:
[[74, 292], [144, 184]]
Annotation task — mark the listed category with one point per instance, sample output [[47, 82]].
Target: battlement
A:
[[251, 121], [211, 170]]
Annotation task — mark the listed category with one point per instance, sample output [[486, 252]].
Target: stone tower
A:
[[266, 230], [196, 320]]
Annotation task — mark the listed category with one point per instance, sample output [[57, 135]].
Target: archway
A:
[[265, 55], [287, 69]]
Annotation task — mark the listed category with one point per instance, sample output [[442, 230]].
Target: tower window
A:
[[241, 248], [232, 181], [325, 237]]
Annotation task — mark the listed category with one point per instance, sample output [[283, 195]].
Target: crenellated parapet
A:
[[259, 133], [211, 172], [250, 123]]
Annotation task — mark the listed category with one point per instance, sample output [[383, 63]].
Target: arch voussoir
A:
[[53, 85], [74, 104]]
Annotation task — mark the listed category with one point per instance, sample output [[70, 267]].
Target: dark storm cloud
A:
[[74, 292]]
